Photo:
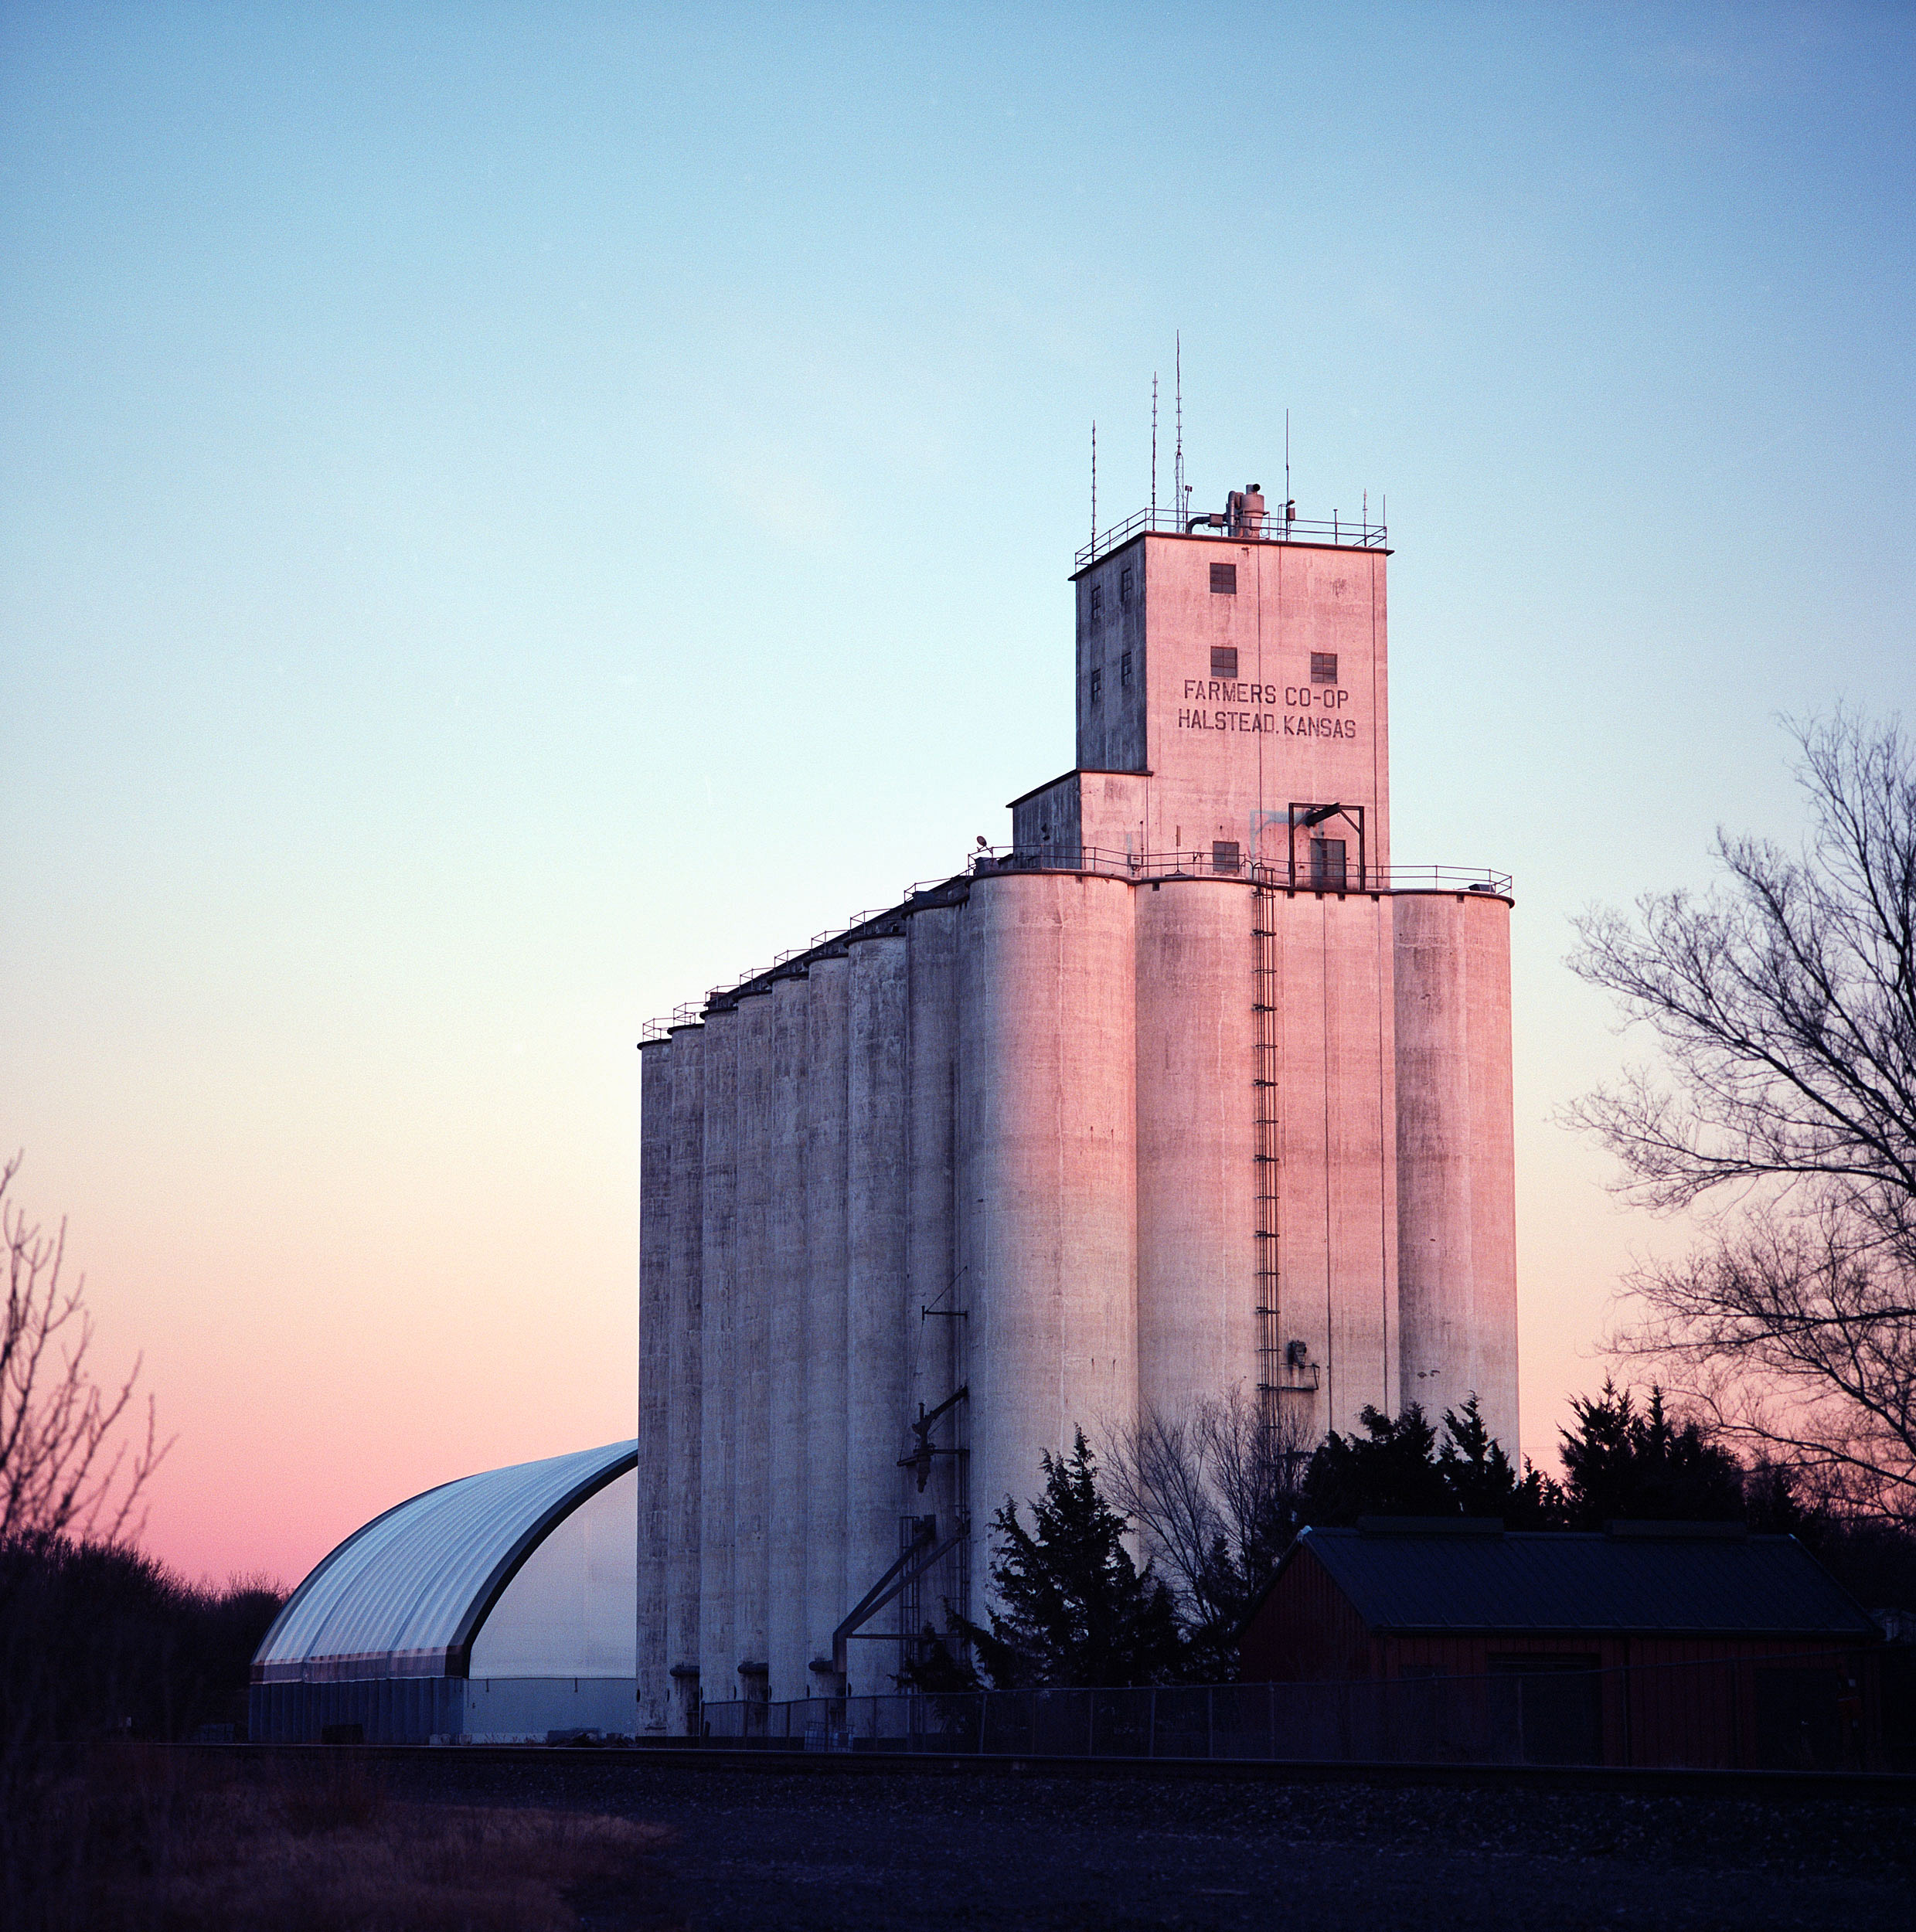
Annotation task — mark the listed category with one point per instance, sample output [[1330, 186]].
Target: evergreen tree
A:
[[1390, 1470], [1621, 1461], [1073, 1608], [1483, 1481]]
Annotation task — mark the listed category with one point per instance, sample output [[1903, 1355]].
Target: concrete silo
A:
[[1189, 1092]]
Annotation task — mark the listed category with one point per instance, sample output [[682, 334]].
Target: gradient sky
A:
[[511, 515]]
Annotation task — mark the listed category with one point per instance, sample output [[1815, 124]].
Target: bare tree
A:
[[66, 1467], [1213, 1493], [1258, 1461], [1784, 1002]]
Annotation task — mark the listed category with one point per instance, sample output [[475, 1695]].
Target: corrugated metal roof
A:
[[1566, 1581], [405, 1595]]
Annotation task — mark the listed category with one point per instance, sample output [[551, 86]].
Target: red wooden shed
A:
[[1650, 1644]]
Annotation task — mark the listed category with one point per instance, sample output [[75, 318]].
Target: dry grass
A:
[[145, 1844]]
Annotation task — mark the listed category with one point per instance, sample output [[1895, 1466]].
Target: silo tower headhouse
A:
[[1188, 1090]]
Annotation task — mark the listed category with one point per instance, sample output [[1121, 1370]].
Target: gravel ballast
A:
[[771, 1849]]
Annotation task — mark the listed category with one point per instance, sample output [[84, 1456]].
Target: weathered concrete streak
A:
[[1361, 1067], [718, 1413], [655, 1377], [1197, 1330], [752, 1333], [1048, 1195], [876, 1164], [1337, 1189], [684, 1431], [785, 1642], [1456, 1155], [826, 1099]]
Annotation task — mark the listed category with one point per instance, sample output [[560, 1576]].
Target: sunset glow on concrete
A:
[[509, 521]]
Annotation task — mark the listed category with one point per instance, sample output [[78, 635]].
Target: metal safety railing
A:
[[1269, 526], [1823, 1711], [1230, 861], [1219, 861]]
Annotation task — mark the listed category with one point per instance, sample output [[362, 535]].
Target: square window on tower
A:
[[1098, 685], [1124, 670], [1224, 661], [1226, 855], [1224, 579], [1097, 602], [1323, 667], [1124, 588]]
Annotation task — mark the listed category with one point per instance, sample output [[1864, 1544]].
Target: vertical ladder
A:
[[1265, 1140]]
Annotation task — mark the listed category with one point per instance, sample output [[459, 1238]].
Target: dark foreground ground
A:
[[759, 1850]]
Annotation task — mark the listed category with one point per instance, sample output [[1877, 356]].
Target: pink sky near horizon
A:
[[507, 522]]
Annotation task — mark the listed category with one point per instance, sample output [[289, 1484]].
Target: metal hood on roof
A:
[[405, 1596]]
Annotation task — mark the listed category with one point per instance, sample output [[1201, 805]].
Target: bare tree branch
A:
[[1784, 1005], [1214, 1494], [65, 1468]]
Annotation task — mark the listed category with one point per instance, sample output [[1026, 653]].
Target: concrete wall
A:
[[878, 1164], [1197, 1330], [936, 1300], [686, 1377], [1010, 1143], [1224, 758], [752, 1355], [787, 1655], [654, 1378], [826, 1102], [718, 1055], [1337, 1208], [1112, 731], [1046, 1171], [1456, 1155]]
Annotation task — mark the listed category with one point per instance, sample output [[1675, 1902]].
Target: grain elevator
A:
[[1189, 1088]]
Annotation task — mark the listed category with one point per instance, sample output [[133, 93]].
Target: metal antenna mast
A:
[[1093, 482], [1177, 485], [1154, 449]]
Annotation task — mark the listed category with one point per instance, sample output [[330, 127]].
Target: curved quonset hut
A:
[[1192, 1092], [496, 1609]]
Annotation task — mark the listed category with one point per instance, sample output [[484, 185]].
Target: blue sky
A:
[[510, 516]]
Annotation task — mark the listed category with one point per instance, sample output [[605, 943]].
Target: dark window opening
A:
[[1097, 602], [1124, 588], [1224, 854], [1327, 863], [1323, 667], [1224, 579], [1124, 670], [1098, 685], [1224, 661]]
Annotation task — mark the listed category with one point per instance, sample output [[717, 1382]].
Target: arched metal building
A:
[[500, 1608]]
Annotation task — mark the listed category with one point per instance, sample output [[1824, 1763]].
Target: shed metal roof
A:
[[1561, 1580], [404, 1595]]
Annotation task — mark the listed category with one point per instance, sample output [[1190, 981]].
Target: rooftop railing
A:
[[1229, 861], [1220, 861], [1265, 526]]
